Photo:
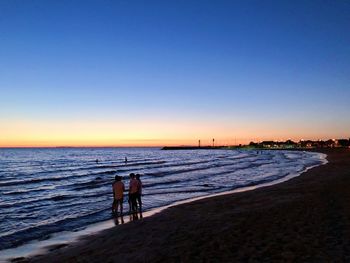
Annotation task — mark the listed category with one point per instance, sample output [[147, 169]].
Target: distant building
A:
[[289, 144], [343, 143]]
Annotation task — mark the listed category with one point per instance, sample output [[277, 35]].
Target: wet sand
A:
[[306, 219]]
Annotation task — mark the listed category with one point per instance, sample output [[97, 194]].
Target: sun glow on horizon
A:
[[140, 134]]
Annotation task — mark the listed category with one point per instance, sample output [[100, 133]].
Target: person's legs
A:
[[121, 211], [121, 207], [139, 202], [130, 203], [134, 205], [114, 206]]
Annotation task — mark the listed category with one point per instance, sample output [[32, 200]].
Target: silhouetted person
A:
[[126, 160], [133, 186], [118, 195], [139, 193], [96, 160]]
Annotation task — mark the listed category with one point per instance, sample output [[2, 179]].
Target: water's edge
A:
[[37, 247]]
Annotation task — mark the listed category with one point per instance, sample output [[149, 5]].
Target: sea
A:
[[44, 191]]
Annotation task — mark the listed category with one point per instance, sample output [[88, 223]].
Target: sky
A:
[[154, 73]]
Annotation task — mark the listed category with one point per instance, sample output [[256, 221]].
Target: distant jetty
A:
[[195, 147], [272, 145]]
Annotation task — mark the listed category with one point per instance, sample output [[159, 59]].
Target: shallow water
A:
[[45, 191]]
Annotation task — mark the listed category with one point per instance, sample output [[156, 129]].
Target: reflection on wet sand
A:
[[119, 219], [116, 221]]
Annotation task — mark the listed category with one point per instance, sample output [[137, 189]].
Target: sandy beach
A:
[[306, 219]]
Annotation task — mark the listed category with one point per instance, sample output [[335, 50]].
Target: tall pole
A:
[[199, 143], [213, 141]]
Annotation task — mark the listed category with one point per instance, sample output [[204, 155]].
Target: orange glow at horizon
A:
[[142, 133]]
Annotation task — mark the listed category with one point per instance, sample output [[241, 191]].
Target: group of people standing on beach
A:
[[134, 196]]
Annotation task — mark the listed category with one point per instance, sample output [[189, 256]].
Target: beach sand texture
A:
[[306, 219]]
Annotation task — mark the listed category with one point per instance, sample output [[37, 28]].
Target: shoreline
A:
[[63, 239], [36, 248]]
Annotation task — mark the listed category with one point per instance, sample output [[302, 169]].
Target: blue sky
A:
[[237, 62]]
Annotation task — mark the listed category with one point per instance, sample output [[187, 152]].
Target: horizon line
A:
[[158, 146]]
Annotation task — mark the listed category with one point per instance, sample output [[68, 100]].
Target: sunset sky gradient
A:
[[154, 73]]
